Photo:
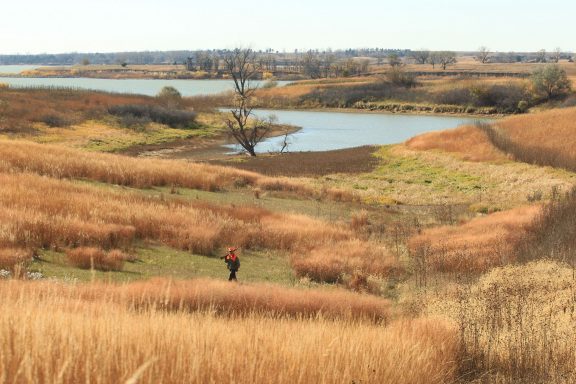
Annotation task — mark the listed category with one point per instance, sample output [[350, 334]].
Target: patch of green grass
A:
[[412, 170], [147, 136], [160, 261]]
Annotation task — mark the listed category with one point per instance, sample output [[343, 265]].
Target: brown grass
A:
[[90, 257], [467, 142], [27, 106], [40, 324], [43, 212], [330, 262], [475, 246], [517, 325], [547, 138], [14, 258]]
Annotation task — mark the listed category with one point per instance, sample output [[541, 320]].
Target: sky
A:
[[57, 26]]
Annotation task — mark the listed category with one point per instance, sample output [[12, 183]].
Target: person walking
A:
[[232, 262]]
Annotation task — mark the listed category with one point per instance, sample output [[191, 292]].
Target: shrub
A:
[[15, 260], [55, 120], [88, 258], [170, 97], [171, 117], [550, 81]]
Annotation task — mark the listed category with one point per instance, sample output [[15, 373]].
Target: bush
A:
[[170, 97], [550, 81], [171, 117], [55, 121], [88, 257]]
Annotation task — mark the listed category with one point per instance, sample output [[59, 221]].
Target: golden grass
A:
[[11, 258], [90, 257], [44, 212], [516, 323], [330, 262], [553, 130], [50, 334], [475, 246], [467, 142]]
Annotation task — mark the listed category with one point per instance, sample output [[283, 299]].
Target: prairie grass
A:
[[40, 212], [476, 246], [14, 259], [90, 257], [546, 138], [517, 325], [329, 263], [113, 343], [467, 142]]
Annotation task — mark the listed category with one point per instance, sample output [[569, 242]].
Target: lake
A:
[[324, 131], [16, 68], [149, 87]]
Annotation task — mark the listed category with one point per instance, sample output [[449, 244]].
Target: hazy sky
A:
[[38, 26]]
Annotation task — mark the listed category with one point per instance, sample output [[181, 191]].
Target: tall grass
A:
[[329, 263], [553, 232], [476, 246], [517, 325], [49, 334], [468, 142], [39, 212], [544, 138]]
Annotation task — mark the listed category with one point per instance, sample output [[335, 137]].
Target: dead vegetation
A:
[[469, 143], [155, 344], [476, 246]]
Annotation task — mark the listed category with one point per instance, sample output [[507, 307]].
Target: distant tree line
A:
[[307, 63]]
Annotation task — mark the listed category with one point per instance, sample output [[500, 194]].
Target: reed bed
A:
[[51, 334], [476, 246]]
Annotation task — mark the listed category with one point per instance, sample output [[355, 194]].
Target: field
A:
[[445, 259]]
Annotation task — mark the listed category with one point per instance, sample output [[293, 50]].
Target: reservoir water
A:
[[149, 87], [324, 131]]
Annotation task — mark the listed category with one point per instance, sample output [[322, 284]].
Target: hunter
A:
[[233, 263]]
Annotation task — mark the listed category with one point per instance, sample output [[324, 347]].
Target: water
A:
[[16, 68], [149, 87], [324, 131]]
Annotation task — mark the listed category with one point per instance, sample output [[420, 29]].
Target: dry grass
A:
[[113, 344], [23, 107], [475, 246], [59, 162], [42, 212], [547, 138], [516, 324], [13, 259], [467, 142], [330, 262], [90, 257]]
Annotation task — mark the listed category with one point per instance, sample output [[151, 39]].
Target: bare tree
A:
[[433, 59], [541, 56], [446, 58], [420, 57], [394, 60], [483, 54], [246, 130], [556, 55]]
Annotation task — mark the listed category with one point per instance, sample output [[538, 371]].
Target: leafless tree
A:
[[541, 56], [421, 57], [555, 55], [433, 59], [483, 55], [446, 58], [243, 126]]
